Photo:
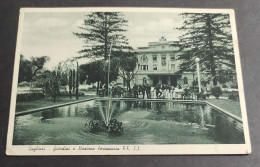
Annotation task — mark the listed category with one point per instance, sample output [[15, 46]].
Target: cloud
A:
[[152, 30], [78, 23], [50, 22]]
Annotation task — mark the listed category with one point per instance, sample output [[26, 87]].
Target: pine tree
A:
[[98, 31], [207, 36]]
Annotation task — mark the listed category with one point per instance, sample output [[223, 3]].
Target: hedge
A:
[[233, 96], [65, 93], [29, 97]]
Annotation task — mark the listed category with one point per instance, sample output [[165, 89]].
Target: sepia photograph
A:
[[120, 81]]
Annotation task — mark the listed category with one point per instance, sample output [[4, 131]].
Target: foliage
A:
[[97, 71], [126, 63], [226, 75], [38, 63], [29, 69], [54, 84], [24, 84], [103, 36], [64, 79], [42, 80], [234, 85], [233, 96], [29, 97], [99, 30], [207, 36], [216, 91], [65, 93], [25, 71]]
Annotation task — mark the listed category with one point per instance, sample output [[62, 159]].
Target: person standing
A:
[[143, 87], [158, 91], [139, 89], [135, 91], [148, 91]]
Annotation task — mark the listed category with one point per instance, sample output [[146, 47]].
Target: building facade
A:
[[158, 64]]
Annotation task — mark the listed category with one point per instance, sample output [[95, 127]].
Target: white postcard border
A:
[[173, 149]]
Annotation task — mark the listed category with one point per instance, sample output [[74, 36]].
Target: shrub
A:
[[233, 96], [24, 84], [65, 93], [216, 91], [234, 85], [225, 86], [29, 97]]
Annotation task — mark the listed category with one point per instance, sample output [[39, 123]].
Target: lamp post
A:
[[198, 72], [112, 40]]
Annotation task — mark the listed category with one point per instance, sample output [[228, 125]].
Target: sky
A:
[[50, 34]]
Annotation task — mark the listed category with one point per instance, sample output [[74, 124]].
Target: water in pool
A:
[[144, 122]]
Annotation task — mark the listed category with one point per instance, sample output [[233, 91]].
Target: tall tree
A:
[[126, 63], [207, 36], [38, 63], [42, 79], [97, 71], [25, 71], [99, 30]]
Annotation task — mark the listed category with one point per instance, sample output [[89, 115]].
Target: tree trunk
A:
[[98, 87], [211, 51], [106, 39], [128, 84]]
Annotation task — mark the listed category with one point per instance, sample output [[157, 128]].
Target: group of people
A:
[[142, 89], [160, 90], [115, 91]]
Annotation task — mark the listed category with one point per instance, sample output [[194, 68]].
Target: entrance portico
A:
[[169, 79]]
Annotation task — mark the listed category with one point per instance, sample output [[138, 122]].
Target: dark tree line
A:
[[29, 68]]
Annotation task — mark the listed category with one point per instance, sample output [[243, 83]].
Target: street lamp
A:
[[112, 40], [198, 72]]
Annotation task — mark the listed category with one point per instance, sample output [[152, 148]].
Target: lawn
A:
[[24, 106], [228, 105]]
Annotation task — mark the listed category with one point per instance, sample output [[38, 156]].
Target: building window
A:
[[144, 67], [173, 66], [185, 80], [163, 59], [144, 80], [155, 58], [155, 67], [144, 59], [172, 57]]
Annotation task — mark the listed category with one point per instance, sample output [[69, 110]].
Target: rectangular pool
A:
[[144, 122]]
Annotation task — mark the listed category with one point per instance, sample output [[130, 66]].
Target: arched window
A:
[[144, 80], [185, 80]]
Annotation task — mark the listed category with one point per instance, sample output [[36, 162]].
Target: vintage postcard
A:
[[127, 81]]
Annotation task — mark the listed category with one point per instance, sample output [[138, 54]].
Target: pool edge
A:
[[50, 107]]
